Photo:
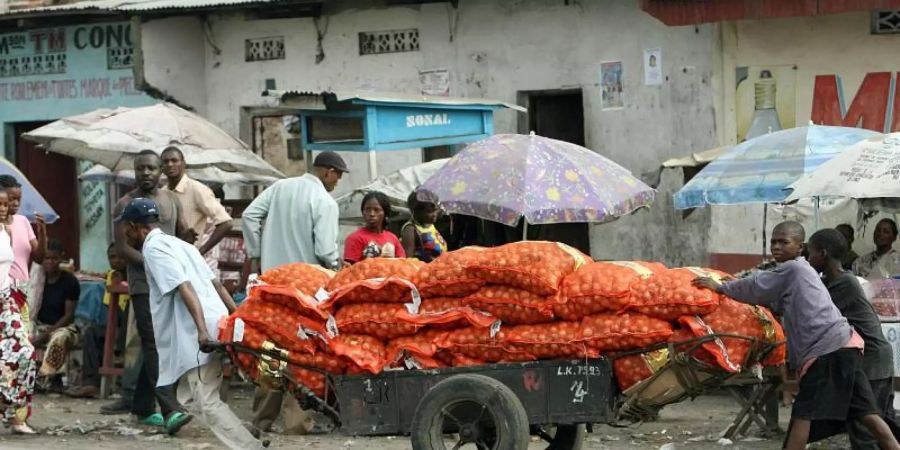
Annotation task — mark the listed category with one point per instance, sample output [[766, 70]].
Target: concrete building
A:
[[545, 55], [582, 68]]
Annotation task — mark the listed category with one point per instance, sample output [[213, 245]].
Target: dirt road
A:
[[689, 425]]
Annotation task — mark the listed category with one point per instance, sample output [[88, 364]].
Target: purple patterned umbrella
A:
[[507, 176]]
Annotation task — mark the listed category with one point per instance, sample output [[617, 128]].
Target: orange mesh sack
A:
[[465, 361], [733, 317], [374, 319], [443, 313], [669, 295], [379, 290], [610, 332], [374, 268], [289, 297], [549, 340], [421, 347], [391, 320], [484, 344], [513, 305], [446, 276], [285, 327], [700, 354], [602, 286], [307, 278], [631, 370], [536, 266], [366, 353], [439, 304]]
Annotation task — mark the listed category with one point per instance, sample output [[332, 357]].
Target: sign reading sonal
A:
[[427, 120]]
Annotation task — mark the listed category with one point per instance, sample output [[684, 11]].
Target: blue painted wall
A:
[[47, 74]]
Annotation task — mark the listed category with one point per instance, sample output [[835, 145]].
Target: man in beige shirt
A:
[[199, 204]]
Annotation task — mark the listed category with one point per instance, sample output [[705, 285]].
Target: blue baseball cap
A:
[[139, 210]]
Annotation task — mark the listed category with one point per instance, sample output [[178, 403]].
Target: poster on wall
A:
[[653, 67], [611, 85], [765, 100], [435, 82]]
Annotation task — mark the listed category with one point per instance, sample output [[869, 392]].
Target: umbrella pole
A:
[[817, 214], [373, 166], [524, 229], [765, 224]]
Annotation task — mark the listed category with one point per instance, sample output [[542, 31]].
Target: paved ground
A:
[[689, 425]]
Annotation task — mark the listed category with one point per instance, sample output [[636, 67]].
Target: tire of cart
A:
[[470, 412], [566, 437]]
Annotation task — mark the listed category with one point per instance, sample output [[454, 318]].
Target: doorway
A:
[[556, 114], [55, 177]]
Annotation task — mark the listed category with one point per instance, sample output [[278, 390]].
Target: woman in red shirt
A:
[[373, 240]]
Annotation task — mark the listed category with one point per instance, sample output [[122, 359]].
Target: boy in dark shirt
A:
[[827, 249]]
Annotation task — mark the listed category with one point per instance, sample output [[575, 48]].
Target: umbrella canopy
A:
[[32, 200], [397, 186], [508, 176], [867, 171], [697, 159], [758, 170], [209, 175], [113, 137]]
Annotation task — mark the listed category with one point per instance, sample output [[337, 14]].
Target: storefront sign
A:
[[67, 63], [395, 127]]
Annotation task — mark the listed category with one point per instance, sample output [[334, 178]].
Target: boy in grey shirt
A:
[[822, 347]]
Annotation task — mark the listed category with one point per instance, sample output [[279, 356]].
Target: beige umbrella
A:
[[112, 138]]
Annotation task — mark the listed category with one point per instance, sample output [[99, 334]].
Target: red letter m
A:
[[868, 110]]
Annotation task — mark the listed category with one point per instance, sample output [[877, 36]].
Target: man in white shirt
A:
[[186, 302], [301, 219], [301, 225]]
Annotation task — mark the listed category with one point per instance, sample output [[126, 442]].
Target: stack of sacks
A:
[[519, 302]]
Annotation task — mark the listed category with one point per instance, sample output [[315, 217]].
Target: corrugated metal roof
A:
[[386, 97], [132, 6]]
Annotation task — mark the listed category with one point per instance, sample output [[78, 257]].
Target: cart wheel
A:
[[480, 411], [567, 437]]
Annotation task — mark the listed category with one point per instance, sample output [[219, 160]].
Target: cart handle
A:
[[306, 394]]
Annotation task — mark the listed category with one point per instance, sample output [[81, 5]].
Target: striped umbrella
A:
[[759, 170]]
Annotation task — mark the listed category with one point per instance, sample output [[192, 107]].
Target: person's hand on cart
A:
[[707, 283], [207, 345]]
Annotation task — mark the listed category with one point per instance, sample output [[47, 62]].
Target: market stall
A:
[[372, 122]]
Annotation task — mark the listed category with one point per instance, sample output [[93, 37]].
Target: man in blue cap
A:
[[186, 301]]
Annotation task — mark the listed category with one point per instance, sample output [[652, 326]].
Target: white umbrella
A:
[[397, 186], [868, 171], [210, 175], [113, 137]]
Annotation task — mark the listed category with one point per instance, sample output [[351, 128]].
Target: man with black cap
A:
[[301, 225], [301, 219], [187, 301]]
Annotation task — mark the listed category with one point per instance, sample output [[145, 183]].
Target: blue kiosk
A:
[[363, 121]]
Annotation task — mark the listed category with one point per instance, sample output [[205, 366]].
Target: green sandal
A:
[[177, 421], [153, 420]]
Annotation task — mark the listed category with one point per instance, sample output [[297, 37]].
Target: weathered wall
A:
[[495, 49], [841, 73], [177, 55]]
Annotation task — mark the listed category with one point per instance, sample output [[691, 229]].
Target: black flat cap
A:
[[331, 160]]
